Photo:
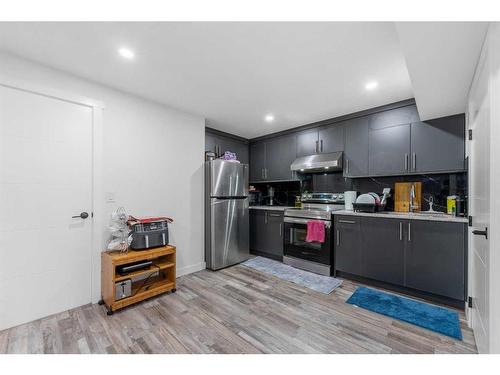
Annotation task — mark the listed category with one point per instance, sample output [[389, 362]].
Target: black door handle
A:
[[481, 232], [83, 215]]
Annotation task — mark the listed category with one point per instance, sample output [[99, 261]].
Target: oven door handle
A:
[[293, 220]]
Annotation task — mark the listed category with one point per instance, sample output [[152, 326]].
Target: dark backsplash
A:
[[437, 185]]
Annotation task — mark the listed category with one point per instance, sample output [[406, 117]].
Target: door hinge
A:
[[470, 221], [470, 134], [469, 302]]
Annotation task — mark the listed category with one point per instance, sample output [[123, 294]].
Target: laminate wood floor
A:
[[236, 310]]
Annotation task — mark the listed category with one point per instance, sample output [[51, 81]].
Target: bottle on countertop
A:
[[298, 202], [451, 204]]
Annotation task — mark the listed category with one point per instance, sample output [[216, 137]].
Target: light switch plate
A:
[[109, 197]]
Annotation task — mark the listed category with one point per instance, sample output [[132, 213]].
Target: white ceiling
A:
[[441, 58], [235, 73]]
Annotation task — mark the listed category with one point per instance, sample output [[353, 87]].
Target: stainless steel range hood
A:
[[318, 163]]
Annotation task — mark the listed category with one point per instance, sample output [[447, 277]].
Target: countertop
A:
[[270, 208], [404, 215]]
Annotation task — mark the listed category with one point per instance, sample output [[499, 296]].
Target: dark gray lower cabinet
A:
[[429, 256], [257, 229], [266, 232], [348, 245], [435, 257], [383, 249]]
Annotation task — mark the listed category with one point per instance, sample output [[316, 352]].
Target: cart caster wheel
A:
[[109, 312], [174, 290], [101, 302]]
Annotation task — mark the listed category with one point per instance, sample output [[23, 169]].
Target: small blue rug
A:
[[435, 318], [319, 283]]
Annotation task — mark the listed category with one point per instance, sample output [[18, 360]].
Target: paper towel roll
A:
[[349, 199]]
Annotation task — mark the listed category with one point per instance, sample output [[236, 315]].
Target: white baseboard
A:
[[190, 269]]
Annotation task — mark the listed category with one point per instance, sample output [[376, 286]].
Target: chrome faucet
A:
[[412, 206]]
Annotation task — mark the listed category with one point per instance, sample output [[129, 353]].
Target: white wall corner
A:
[[190, 269]]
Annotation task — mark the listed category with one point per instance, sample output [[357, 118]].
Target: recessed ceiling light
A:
[[371, 85], [126, 53], [269, 118]]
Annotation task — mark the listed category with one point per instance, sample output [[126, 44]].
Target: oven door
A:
[[295, 244]]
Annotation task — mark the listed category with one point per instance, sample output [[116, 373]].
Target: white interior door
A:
[[479, 202], [45, 179]]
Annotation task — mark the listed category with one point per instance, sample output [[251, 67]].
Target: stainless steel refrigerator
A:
[[226, 213]]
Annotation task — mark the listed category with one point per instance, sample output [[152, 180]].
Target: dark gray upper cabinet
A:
[[386, 143], [389, 150], [383, 249], [236, 146], [393, 117], [347, 244], [356, 147], [219, 144], [438, 145], [307, 142], [257, 161], [331, 138], [280, 154], [435, 258], [210, 142]]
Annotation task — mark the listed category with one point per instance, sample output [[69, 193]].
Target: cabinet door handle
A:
[[347, 165], [338, 238], [291, 235], [400, 231], [409, 232], [406, 162], [321, 145], [481, 232], [265, 217], [414, 161], [347, 221], [316, 149], [281, 229], [275, 215]]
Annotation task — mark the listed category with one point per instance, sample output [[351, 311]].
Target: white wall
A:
[[152, 157]]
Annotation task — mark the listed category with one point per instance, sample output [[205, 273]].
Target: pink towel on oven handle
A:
[[315, 231]]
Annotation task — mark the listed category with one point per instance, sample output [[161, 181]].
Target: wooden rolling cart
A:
[[163, 259]]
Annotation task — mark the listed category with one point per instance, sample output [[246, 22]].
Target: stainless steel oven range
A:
[[316, 257]]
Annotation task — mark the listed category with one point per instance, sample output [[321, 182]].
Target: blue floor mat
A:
[[435, 318]]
